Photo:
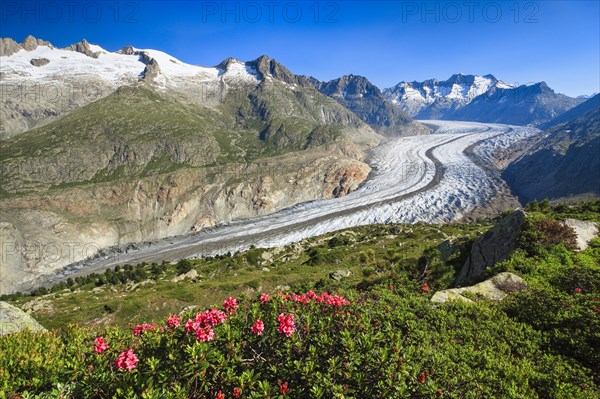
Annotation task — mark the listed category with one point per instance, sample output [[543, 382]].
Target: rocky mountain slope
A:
[[564, 162], [368, 102], [139, 146], [431, 99], [575, 112], [480, 99]]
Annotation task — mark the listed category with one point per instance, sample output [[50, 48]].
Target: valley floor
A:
[[429, 179]]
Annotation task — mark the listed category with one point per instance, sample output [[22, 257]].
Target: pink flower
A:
[[264, 298], [578, 290], [101, 346], [126, 360], [237, 392], [230, 305], [311, 294], [286, 324], [205, 334], [283, 388], [210, 318], [143, 327], [220, 395], [421, 378], [337, 301], [173, 321], [258, 327], [425, 288]]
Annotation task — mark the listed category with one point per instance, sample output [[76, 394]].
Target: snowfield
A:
[[112, 67], [414, 179]]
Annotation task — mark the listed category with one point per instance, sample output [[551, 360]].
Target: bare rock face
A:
[[38, 62], [14, 320], [8, 47], [31, 43], [83, 47], [127, 50], [345, 179], [586, 231], [152, 70], [494, 289], [47, 232], [494, 246]]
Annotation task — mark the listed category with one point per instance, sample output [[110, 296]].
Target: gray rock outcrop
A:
[[31, 43], [494, 289], [191, 275], [152, 69], [340, 274], [494, 246], [38, 62], [586, 231], [13, 320], [8, 47], [83, 47]]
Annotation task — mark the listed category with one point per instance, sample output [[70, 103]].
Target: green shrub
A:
[[183, 266]]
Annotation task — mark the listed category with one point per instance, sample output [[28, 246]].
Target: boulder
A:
[[340, 274], [38, 62], [493, 247], [586, 231], [494, 289], [13, 319], [192, 275]]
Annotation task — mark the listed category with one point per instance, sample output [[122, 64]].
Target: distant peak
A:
[[226, 63], [268, 67], [127, 50], [82, 47], [9, 47], [31, 43]]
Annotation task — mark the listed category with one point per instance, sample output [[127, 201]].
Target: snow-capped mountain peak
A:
[[458, 90], [40, 60]]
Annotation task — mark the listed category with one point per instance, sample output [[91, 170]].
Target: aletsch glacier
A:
[[415, 179]]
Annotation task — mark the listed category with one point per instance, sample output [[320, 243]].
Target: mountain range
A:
[[113, 148], [480, 99], [110, 148]]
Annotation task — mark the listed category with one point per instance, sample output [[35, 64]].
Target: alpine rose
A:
[[173, 321], [126, 360], [286, 324], [205, 334], [143, 327], [258, 327], [283, 388], [230, 305], [101, 346]]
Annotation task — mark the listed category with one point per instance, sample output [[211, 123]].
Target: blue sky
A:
[[517, 41]]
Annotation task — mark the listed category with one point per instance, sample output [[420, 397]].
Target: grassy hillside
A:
[[564, 163], [381, 337], [139, 131]]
